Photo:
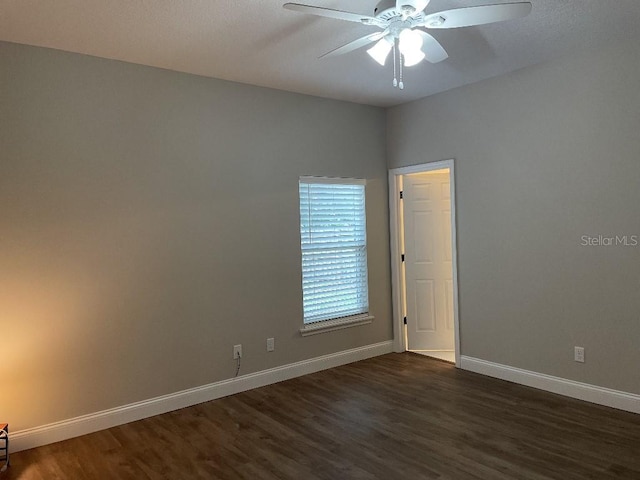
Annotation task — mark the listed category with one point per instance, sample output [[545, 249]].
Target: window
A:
[[334, 253]]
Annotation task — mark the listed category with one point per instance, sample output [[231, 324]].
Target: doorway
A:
[[425, 290]]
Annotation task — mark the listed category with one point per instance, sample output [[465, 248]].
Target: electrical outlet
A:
[[237, 351], [271, 344], [578, 354]]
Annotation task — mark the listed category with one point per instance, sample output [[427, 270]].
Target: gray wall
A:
[[543, 156], [149, 222]]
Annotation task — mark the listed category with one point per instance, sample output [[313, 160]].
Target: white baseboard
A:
[[75, 427], [569, 388]]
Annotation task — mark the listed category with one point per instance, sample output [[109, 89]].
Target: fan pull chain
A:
[[395, 76], [401, 84]]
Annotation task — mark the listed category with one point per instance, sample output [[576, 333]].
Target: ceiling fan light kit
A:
[[410, 45], [380, 51], [405, 25]]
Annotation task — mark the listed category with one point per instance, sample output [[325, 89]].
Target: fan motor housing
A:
[[387, 10]]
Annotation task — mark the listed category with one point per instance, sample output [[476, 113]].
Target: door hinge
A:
[[401, 194], [402, 257], [405, 320]]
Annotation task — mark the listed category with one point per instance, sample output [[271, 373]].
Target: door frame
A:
[[397, 277]]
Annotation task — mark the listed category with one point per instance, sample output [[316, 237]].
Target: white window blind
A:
[[334, 248]]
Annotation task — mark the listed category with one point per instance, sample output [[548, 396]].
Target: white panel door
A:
[[428, 261]]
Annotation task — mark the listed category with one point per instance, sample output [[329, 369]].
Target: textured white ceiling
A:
[[258, 42]]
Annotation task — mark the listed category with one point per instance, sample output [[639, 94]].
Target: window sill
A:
[[337, 324]]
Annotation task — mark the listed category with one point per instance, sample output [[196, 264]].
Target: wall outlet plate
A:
[[578, 354], [271, 344], [237, 351]]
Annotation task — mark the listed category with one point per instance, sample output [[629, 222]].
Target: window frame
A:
[[339, 322]]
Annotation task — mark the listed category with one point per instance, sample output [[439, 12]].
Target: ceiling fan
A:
[[405, 25]]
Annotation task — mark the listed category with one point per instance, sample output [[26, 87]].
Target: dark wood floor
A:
[[399, 416]]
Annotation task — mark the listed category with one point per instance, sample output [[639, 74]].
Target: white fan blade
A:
[[433, 51], [471, 16], [331, 13], [411, 7], [356, 44], [421, 5]]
